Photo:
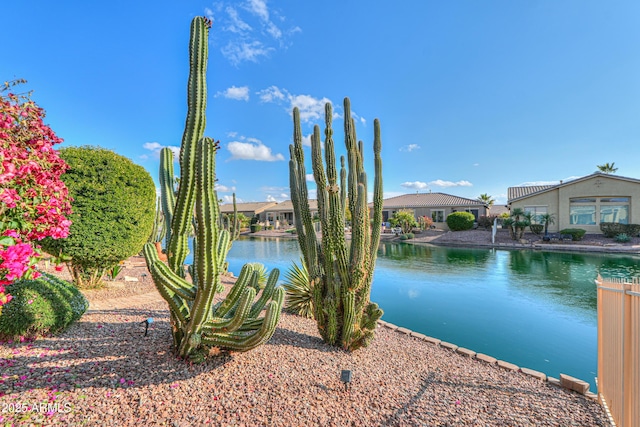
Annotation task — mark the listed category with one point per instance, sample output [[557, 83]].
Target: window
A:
[[437, 215], [582, 214], [536, 212], [584, 210]]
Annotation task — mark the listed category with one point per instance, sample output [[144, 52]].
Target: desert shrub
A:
[[459, 221], [486, 222], [113, 212], [612, 229], [536, 229], [298, 291], [576, 233], [622, 238], [255, 227], [40, 306], [633, 230]]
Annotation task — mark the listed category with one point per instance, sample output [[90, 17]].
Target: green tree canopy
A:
[[607, 168], [404, 219], [113, 211]]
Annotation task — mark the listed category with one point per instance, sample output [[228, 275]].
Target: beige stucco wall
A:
[[557, 200]]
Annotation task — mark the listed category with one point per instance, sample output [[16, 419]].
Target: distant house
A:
[[248, 209], [283, 211], [582, 203], [436, 206]]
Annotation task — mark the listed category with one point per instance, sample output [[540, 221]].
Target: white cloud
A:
[[310, 177], [252, 151], [415, 185], [271, 94], [238, 93], [235, 23], [249, 32], [311, 109], [441, 183], [306, 140], [209, 14], [410, 147], [224, 189], [476, 164], [229, 199], [237, 52], [270, 198], [155, 148]]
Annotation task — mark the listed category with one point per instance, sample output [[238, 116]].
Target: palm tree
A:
[[487, 200], [546, 219], [607, 168]]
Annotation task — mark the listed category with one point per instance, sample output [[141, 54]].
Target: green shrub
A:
[[612, 229], [40, 306], [536, 229], [255, 227], [114, 203], [622, 238], [576, 233], [459, 221]]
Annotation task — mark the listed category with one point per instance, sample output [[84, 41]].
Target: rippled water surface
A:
[[534, 309]]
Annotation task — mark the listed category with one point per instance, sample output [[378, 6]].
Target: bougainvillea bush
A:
[[34, 201]]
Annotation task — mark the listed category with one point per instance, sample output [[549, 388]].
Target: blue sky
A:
[[473, 97]]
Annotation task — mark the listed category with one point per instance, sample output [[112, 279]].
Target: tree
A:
[[607, 168], [404, 219], [546, 219], [487, 200], [113, 212], [33, 199]]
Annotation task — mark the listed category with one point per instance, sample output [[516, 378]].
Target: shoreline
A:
[[482, 239]]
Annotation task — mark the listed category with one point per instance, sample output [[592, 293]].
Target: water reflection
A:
[[535, 309]]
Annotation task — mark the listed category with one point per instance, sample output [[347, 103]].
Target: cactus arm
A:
[[378, 201], [242, 341], [193, 132], [230, 324], [267, 293], [166, 285], [167, 192], [236, 291]]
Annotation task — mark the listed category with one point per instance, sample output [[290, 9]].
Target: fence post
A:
[[627, 367]]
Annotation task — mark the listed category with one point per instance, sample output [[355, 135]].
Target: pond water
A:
[[534, 309]]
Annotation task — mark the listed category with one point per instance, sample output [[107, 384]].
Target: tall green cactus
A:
[[197, 322], [341, 274]]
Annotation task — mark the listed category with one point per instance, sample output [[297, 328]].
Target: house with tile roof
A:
[[248, 209], [436, 206], [583, 202], [282, 213]]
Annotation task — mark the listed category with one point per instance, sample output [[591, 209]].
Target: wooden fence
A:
[[619, 349]]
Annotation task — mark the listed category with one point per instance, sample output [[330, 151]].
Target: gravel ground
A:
[[102, 371]]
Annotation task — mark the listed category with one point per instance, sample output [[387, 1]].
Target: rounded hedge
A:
[[113, 206], [39, 306], [459, 221]]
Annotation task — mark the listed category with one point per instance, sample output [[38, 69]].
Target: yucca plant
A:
[[298, 291]]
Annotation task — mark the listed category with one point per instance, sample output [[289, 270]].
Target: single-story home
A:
[[248, 209], [283, 212], [436, 206], [583, 202]]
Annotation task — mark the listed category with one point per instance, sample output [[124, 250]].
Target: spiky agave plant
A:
[[298, 291], [198, 321]]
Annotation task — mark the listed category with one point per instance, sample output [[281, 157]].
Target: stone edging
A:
[[565, 381]]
